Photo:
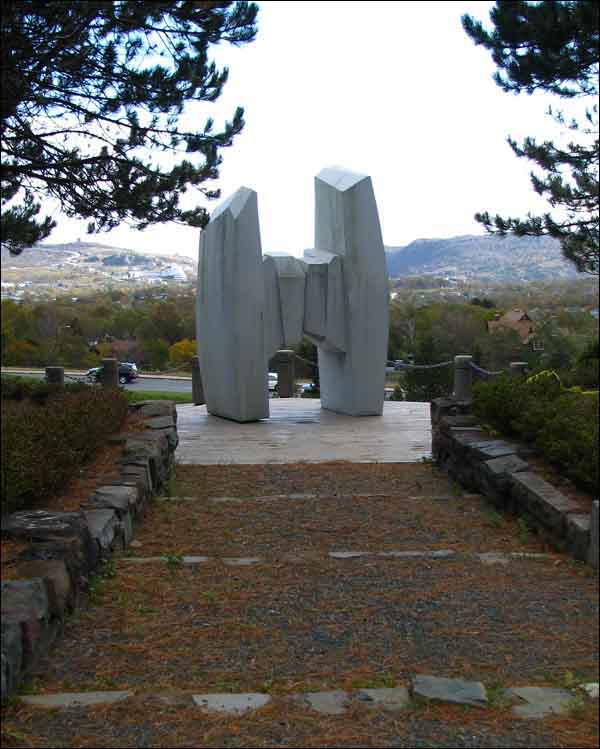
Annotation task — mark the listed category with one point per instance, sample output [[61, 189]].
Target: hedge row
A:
[[45, 443], [562, 423]]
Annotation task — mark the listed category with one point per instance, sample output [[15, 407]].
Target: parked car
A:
[[128, 372], [273, 381]]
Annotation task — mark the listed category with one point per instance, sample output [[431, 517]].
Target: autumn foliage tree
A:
[[95, 99]]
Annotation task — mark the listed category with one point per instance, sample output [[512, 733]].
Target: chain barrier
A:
[[423, 366], [485, 374]]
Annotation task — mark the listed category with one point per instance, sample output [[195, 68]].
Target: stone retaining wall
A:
[[499, 470], [66, 548]]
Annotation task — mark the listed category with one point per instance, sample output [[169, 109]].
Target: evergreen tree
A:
[[92, 93], [553, 47]]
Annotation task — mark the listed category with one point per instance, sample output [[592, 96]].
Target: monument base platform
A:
[[299, 430]]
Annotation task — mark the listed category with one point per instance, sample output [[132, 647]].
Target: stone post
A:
[[110, 373], [286, 385], [518, 368], [55, 376], [463, 378], [197, 389]]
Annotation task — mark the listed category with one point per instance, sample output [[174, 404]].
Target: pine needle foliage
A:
[[553, 47], [95, 99]]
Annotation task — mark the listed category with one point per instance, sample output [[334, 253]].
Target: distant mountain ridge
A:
[[42, 255], [487, 258]]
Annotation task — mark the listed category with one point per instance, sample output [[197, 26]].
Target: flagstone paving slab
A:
[[232, 704], [393, 698], [541, 701], [449, 690], [328, 703], [75, 699]]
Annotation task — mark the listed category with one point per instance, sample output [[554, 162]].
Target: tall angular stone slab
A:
[[230, 311], [347, 225], [291, 280], [273, 318]]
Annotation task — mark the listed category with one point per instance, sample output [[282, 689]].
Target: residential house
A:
[[519, 320]]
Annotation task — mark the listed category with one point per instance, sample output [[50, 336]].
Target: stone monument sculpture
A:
[[250, 306]]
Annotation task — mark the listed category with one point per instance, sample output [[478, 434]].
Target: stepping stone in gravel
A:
[[541, 701], [195, 560], [327, 703], [529, 555], [347, 554], [449, 690], [232, 704], [177, 499], [493, 557], [591, 689], [390, 699], [241, 561], [74, 699], [438, 554], [136, 544]]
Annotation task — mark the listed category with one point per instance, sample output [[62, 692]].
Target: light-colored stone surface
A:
[[435, 554], [241, 561], [232, 704], [299, 430], [291, 281], [591, 689], [352, 363], [74, 699], [195, 559], [348, 554], [493, 557], [541, 701], [327, 703], [230, 311], [593, 557], [103, 525], [449, 690], [396, 698]]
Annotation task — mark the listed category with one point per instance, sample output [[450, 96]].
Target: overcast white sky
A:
[[395, 90]]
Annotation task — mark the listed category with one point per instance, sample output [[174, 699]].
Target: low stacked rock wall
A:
[[65, 549], [499, 470]]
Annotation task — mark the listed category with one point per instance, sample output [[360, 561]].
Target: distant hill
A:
[[486, 258], [80, 268], [47, 255]]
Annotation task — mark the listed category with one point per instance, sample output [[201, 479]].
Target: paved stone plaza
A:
[[300, 430]]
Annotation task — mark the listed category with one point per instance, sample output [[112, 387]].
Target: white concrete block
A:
[[274, 337], [291, 279], [230, 325], [347, 225]]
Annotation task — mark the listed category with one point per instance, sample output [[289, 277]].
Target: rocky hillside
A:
[[486, 258], [78, 268]]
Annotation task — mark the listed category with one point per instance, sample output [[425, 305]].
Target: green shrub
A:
[[19, 388], [562, 423], [44, 443]]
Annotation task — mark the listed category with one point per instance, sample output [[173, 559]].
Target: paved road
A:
[[145, 382]]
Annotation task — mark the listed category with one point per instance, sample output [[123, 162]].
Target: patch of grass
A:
[[387, 681], [523, 530], [496, 694], [31, 687], [494, 518], [106, 572], [174, 561], [134, 396], [577, 706]]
